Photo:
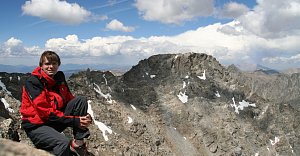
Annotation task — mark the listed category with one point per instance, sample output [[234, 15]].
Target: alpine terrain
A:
[[174, 104]]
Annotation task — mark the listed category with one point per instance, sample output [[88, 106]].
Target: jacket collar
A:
[[42, 75]]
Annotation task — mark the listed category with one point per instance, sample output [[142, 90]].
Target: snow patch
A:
[[241, 106], [100, 125], [292, 149], [184, 84], [132, 106], [130, 119], [276, 140], [217, 94], [182, 97], [152, 76], [106, 96], [203, 77], [6, 105], [176, 57], [104, 79], [4, 88], [104, 129]]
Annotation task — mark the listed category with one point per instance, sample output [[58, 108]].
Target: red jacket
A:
[[44, 99]]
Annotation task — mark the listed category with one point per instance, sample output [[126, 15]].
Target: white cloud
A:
[[14, 47], [237, 47], [118, 26], [273, 18], [225, 47], [96, 46], [210, 40], [268, 19], [174, 11], [233, 10], [260, 36], [56, 11], [13, 42]]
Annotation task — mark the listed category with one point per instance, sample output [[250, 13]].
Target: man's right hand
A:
[[85, 121]]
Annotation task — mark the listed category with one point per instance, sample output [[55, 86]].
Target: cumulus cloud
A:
[[234, 46], [14, 47], [273, 19], [268, 19], [12, 42], [96, 46], [260, 36], [118, 26], [233, 10], [56, 11], [174, 11]]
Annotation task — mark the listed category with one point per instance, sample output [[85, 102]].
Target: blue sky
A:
[[265, 32]]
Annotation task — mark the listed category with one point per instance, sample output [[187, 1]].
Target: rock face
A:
[[13, 83], [184, 104], [11, 148]]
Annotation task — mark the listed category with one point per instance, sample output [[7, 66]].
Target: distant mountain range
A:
[[66, 68], [264, 69], [254, 67], [15, 69], [69, 69]]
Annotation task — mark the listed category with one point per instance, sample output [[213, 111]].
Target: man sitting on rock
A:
[[48, 107]]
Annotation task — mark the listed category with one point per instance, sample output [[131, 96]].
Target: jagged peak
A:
[[181, 64], [233, 68]]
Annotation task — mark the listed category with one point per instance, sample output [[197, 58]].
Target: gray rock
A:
[[12, 148]]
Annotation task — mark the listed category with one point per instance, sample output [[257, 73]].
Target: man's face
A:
[[49, 68]]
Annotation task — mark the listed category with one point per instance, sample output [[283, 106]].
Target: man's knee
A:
[[81, 105], [82, 99]]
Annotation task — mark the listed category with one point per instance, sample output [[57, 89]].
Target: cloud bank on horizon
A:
[[268, 33]]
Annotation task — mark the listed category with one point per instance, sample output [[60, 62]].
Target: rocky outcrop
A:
[[189, 104], [13, 83], [9, 118], [13, 148]]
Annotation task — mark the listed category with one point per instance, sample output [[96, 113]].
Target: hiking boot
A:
[[79, 150]]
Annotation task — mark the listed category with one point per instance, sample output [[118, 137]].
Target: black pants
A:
[[50, 138]]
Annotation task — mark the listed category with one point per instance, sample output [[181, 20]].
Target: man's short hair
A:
[[51, 57]]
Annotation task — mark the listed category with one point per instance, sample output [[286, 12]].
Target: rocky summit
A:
[[177, 104]]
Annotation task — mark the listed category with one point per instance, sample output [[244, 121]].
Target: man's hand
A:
[[85, 121]]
